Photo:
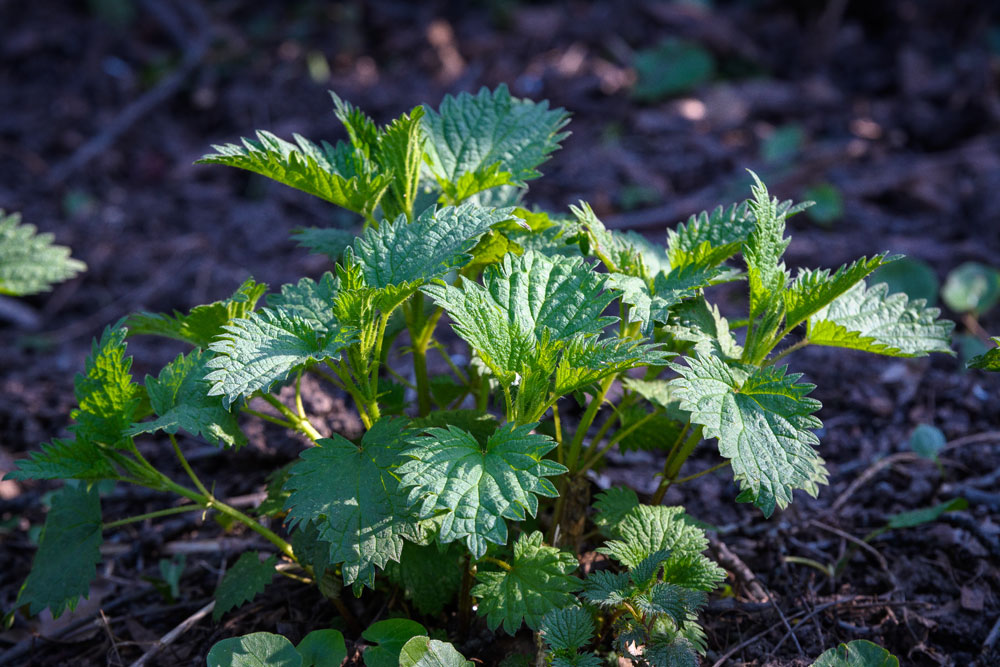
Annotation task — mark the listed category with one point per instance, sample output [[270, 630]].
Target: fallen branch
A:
[[169, 638]]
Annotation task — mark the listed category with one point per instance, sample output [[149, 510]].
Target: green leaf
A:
[[912, 276], [429, 575], [68, 552], [64, 459], [107, 398], [971, 288], [874, 321], [672, 67], [351, 493], [829, 203], [361, 129], [813, 289], [474, 182], [407, 255], [473, 133], [390, 636], [927, 514], [611, 506], [607, 589], [337, 174], [478, 486], [322, 648], [179, 397], [30, 262], [427, 652], [670, 652], [782, 144], [258, 649], [313, 302], [538, 581], [693, 571], [645, 530], [858, 653], [670, 600], [584, 361], [710, 238], [654, 305], [400, 153], [647, 570], [477, 422], [567, 629], [989, 361], [763, 420], [247, 578], [203, 323], [763, 249], [264, 348], [329, 241]]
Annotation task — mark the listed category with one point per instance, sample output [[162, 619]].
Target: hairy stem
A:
[[181, 509], [585, 422], [187, 466], [300, 424], [787, 351], [674, 463]]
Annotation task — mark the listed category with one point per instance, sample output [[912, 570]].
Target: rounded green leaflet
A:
[[426, 652], [858, 653], [972, 288], [912, 276], [322, 648], [389, 638], [926, 441], [259, 649]]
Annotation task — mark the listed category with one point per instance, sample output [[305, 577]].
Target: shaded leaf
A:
[[858, 653], [245, 580], [258, 649], [322, 648], [427, 652], [390, 637]]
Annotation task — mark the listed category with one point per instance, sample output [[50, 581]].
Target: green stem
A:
[[674, 463], [788, 350], [300, 424], [707, 471], [559, 436], [499, 563], [269, 418], [615, 439], [187, 466], [585, 422], [182, 509], [298, 396], [451, 364], [353, 391]]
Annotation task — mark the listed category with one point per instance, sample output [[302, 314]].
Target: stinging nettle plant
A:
[[470, 488]]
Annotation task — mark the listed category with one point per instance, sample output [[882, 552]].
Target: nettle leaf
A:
[[478, 486], [522, 301], [390, 636], [584, 360], [539, 580], [429, 575], [329, 241], [245, 580], [645, 530], [872, 320], [402, 254], [30, 262], [312, 301], [607, 589], [989, 360], [203, 323], [612, 505], [693, 571], [710, 238], [617, 252], [651, 305], [64, 459], [254, 650], [68, 552], [351, 493], [179, 397], [473, 182], [670, 652], [567, 629], [858, 653], [400, 153], [107, 398], [763, 421], [264, 348], [699, 322], [763, 249], [813, 289], [427, 652], [337, 174], [471, 134]]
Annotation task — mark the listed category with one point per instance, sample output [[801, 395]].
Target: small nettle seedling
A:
[[474, 494]]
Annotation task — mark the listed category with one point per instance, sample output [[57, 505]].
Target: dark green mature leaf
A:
[[329, 241], [990, 360], [429, 575], [337, 174], [264, 348], [351, 493], [314, 302], [873, 320], [858, 653], [763, 249], [670, 600], [670, 652], [567, 629], [258, 649], [427, 652], [245, 580], [524, 300], [813, 289], [68, 552], [478, 486], [179, 397], [64, 459], [539, 580], [30, 262], [612, 505], [607, 589], [390, 636], [763, 421], [106, 396], [407, 255], [471, 134], [203, 323], [322, 648]]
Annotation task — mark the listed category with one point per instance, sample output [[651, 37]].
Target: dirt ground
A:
[[108, 103]]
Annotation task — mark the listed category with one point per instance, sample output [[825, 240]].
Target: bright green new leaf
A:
[[858, 653], [710, 238], [329, 241], [873, 320], [693, 571], [473, 182], [264, 348], [107, 398], [763, 421], [179, 397], [654, 305], [990, 360], [322, 648], [699, 322], [471, 133], [390, 636], [401, 153], [68, 552], [478, 486], [361, 129], [258, 649], [426, 652], [203, 323], [64, 459], [29, 262], [245, 580], [763, 249], [584, 361], [337, 174], [539, 580], [313, 302], [644, 530], [813, 289], [351, 493]]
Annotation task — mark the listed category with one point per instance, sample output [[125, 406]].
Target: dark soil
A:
[[899, 108]]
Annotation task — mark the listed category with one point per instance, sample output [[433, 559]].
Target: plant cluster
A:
[[470, 489]]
